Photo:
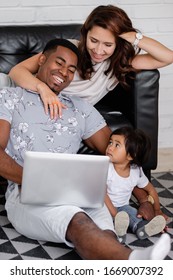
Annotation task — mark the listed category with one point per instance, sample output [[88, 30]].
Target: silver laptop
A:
[[59, 179]]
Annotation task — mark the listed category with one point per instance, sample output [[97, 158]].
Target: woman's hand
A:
[[128, 36], [51, 102]]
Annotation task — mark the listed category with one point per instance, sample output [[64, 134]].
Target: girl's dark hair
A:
[[137, 144], [115, 20]]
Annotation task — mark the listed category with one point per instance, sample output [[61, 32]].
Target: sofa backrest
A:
[[20, 42]]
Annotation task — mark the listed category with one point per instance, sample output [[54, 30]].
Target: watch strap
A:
[[139, 36]]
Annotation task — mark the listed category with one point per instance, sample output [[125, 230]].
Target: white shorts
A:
[[50, 223]]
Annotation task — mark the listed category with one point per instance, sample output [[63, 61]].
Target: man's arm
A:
[[99, 140], [150, 189], [9, 169], [145, 209], [140, 194]]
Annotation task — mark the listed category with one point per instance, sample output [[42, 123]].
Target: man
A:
[[25, 126]]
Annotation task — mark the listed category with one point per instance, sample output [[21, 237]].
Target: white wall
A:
[[152, 17]]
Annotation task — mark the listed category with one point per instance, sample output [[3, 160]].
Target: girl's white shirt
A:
[[96, 87]]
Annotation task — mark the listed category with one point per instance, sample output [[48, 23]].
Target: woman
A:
[[109, 48]]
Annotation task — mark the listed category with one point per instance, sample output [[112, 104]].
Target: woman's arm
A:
[[24, 75], [156, 54]]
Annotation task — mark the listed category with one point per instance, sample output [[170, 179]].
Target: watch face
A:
[[139, 36]]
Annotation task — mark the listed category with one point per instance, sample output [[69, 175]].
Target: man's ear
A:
[[42, 59]]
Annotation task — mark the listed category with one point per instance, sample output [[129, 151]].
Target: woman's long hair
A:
[[115, 20]]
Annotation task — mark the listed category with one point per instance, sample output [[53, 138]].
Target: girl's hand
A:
[[52, 104]]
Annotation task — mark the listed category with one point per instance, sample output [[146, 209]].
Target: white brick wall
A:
[[152, 17]]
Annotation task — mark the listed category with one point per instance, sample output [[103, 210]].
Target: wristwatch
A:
[[139, 36]]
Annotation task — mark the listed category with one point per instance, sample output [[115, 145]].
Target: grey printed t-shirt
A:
[[33, 130]]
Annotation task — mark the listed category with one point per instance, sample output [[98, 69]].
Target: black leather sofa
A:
[[138, 106]]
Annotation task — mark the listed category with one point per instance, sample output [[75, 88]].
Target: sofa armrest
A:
[[146, 94], [139, 107]]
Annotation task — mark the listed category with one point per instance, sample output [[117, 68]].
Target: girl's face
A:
[[116, 150], [100, 44]]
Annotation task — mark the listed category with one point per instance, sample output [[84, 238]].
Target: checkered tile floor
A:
[[14, 246]]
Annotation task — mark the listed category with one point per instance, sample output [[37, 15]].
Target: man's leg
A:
[[93, 240], [39, 222], [93, 243]]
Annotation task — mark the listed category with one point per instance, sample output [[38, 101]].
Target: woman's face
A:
[[100, 44]]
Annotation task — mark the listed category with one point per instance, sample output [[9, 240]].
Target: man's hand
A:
[[146, 211]]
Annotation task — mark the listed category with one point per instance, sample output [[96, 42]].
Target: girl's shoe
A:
[[121, 223], [155, 226]]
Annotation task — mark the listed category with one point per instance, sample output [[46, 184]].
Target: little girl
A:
[[128, 149]]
